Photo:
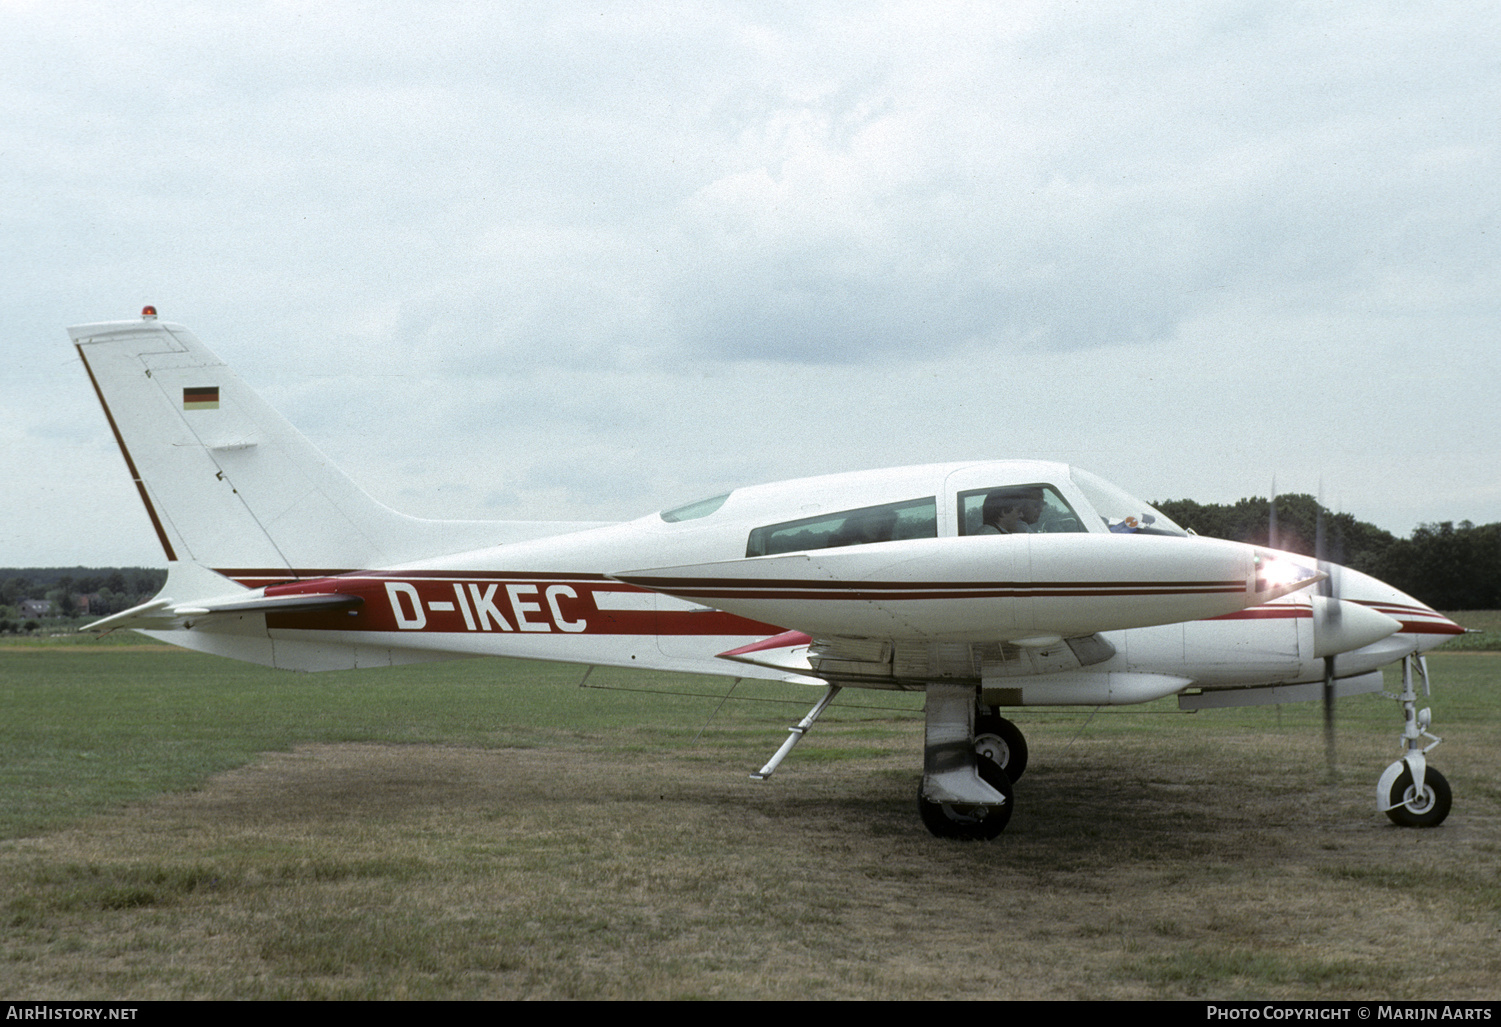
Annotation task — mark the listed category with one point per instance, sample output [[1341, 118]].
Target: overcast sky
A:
[[573, 261]]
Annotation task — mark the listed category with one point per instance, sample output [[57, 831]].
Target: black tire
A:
[[1001, 743], [969, 822], [1433, 806]]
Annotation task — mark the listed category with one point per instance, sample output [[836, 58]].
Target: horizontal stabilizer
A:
[[303, 603], [147, 615], [218, 595], [162, 614], [187, 584]]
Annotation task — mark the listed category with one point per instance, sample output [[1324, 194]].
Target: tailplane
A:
[[201, 610]]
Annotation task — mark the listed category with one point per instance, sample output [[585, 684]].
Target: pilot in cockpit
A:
[[1011, 511]]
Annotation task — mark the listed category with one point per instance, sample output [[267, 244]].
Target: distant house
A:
[[35, 607]]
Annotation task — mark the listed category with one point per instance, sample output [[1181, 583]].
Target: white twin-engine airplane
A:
[[984, 584]]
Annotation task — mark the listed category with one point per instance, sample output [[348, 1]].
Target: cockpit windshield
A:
[[1122, 512]]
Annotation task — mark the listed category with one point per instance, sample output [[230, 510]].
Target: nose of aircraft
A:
[[1425, 624], [1435, 623], [1420, 625]]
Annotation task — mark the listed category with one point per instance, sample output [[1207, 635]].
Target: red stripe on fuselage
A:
[[676, 585], [500, 604], [1410, 618], [711, 589], [258, 577], [1403, 615], [543, 609]]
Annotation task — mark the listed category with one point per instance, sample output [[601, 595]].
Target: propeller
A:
[[1271, 518], [1330, 621]]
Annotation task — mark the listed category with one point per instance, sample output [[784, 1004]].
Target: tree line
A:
[[66, 590], [1446, 565]]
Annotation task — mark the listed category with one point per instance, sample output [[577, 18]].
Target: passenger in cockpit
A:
[[1011, 511]]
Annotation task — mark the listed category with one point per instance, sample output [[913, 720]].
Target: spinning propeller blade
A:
[[1271, 518], [1333, 614]]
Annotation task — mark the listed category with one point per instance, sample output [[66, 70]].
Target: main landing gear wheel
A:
[[966, 821], [1409, 809], [1000, 742]]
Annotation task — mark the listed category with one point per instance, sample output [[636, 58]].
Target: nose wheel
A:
[[1411, 793], [1411, 805]]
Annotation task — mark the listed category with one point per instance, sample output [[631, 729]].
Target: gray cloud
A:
[[667, 246]]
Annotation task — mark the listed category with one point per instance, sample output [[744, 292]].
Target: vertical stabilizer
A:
[[229, 484]]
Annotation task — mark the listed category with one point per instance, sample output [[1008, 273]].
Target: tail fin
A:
[[230, 485]]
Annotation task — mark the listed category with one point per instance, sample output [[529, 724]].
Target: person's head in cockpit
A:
[[1011, 511]]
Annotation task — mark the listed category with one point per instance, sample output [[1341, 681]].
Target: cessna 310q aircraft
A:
[[986, 585]]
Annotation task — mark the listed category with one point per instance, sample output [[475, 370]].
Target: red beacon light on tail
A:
[[148, 313]]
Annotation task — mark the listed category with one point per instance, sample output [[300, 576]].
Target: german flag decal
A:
[[203, 398]]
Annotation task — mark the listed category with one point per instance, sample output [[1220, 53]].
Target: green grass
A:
[[1480, 620], [1484, 627], [64, 632], [178, 826], [82, 730], [1247, 974]]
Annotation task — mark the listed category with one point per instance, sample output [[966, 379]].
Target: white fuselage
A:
[[1000, 610]]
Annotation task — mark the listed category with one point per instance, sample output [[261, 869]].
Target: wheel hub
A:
[[1418, 803]]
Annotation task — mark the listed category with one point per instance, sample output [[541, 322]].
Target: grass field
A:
[[177, 826]]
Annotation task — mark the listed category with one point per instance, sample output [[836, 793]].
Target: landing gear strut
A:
[[1411, 793], [966, 787]]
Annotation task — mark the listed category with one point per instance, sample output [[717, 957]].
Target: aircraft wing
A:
[[865, 659]]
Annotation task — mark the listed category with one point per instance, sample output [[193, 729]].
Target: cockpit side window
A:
[[1016, 509], [917, 518]]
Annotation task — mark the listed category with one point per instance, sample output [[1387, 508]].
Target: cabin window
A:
[[1053, 513], [917, 518]]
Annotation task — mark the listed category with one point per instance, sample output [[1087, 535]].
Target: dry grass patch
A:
[[379, 871]]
